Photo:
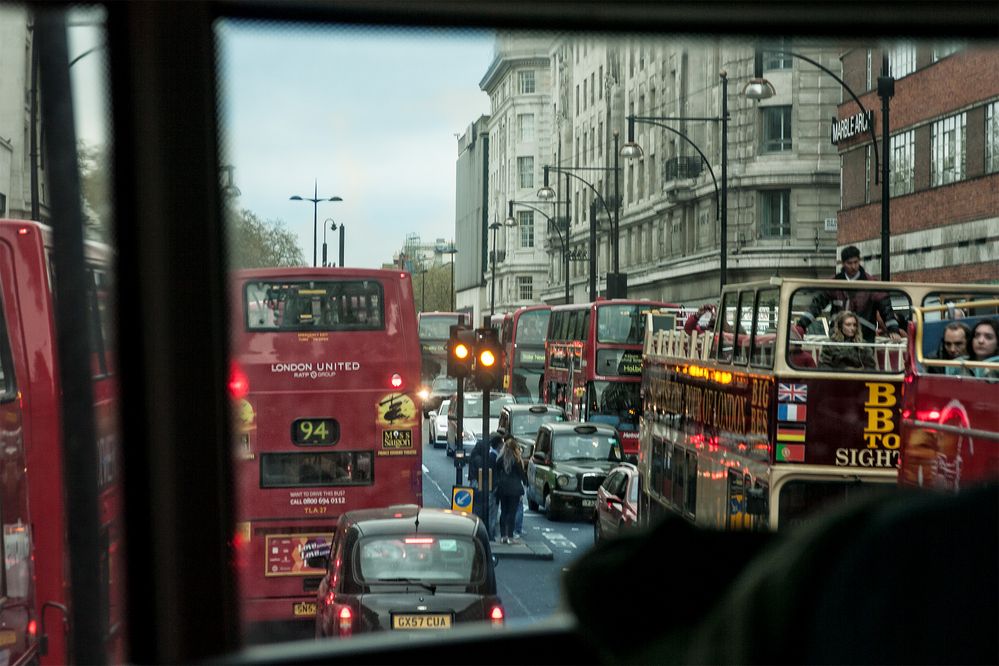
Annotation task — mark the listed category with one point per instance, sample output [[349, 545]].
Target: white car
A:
[[472, 431], [438, 425]]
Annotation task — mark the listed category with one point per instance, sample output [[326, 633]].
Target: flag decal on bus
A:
[[790, 433], [791, 412], [792, 392], [790, 453]]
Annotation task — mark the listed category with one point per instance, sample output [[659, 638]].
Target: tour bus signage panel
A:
[[531, 357], [813, 421]]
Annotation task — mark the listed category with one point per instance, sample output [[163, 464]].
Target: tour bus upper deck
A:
[[950, 432], [798, 413]]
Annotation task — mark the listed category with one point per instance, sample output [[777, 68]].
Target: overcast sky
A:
[[371, 114]]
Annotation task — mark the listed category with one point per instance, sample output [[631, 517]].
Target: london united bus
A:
[[324, 381], [593, 361], [791, 402]]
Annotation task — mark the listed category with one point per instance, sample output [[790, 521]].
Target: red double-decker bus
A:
[[522, 334], [593, 361], [759, 423], [326, 370], [950, 422], [34, 587]]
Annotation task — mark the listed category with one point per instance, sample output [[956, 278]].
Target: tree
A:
[[94, 163], [256, 243]]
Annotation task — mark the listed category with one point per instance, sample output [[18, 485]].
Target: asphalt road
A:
[[529, 588]]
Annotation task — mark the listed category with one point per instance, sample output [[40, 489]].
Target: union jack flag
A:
[[792, 392]]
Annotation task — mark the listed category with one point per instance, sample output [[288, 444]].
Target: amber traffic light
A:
[[488, 355], [460, 351]]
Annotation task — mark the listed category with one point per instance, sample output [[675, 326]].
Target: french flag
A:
[[789, 411]]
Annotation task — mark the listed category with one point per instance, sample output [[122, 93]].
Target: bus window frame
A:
[[760, 294]]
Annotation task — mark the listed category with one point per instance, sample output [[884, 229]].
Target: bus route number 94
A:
[[315, 432]]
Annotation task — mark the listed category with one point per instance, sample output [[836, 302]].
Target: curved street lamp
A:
[[315, 199]]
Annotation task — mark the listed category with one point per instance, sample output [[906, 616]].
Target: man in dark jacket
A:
[[866, 304], [483, 458]]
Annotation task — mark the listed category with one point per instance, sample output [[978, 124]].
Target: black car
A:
[[522, 422], [405, 568], [569, 463]]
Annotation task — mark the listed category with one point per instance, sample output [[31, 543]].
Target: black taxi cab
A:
[[569, 462], [406, 568], [522, 422]]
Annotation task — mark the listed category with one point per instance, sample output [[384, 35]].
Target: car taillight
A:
[[239, 384], [396, 381], [496, 616], [345, 621]]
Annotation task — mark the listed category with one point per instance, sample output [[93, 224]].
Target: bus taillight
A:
[[33, 628], [239, 384], [396, 381]]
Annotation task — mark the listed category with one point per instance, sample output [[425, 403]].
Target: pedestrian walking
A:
[[509, 480]]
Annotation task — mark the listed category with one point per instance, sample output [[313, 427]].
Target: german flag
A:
[[790, 433]]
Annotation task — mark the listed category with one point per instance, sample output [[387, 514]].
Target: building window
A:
[[776, 128], [593, 87], [525, 287], [525, 171], [601, 92], [948, 150], [526, 82], [867, 175], [584, 94], [902, 163], [941, 51], [776, 55], [3, 205], [525, 221], [902, 60], [775, 213], [869, 69], [525, 124], [992, 137]]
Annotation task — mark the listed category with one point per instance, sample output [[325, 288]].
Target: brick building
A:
[[944, 163]]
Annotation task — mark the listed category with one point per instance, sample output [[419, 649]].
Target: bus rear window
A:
[[315, 305], [335, 468]]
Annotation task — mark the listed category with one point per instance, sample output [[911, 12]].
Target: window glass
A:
[[948, 149], [575, 446], [335, 468], [992, 137], [724, 340], [775, 213], [777, 129], [744, 325], [437, 327], [621, 324], [532, 327], [441, 559], [847, 330], [314, 305], [903, 165], [765, 328]]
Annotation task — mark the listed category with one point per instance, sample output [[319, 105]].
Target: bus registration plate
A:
[[422, 621], [304, 609]]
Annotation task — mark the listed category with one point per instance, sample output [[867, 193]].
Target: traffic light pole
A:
[[459, 432]]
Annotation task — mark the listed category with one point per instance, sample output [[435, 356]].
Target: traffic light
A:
[[460, 351], [488, 359]]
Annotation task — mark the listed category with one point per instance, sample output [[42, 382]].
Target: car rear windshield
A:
[[473, 405], [529, 423], [586, 447], [423, 558]]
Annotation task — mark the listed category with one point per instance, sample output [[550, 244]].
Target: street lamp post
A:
[[546, 193], [452, 251], [552, 223], [492, 298], [332, 227], [631, 149], [315, 199], [342, 243], [759, 88]]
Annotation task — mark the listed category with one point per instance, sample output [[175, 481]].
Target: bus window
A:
[[862, 346], [765, 328], [620, 324], [723, 338], [744, 323]]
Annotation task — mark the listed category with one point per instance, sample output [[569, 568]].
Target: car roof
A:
[[411, 519], [569, 427], [521, 407]]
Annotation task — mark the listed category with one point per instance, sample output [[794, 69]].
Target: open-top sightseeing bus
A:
[[327, 365], [762, 421], [950, 427], [35, 606], [593, 360]]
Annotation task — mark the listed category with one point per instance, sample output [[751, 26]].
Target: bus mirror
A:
[[756, 502]]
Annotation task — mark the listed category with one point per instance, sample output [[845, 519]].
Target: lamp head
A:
[[546, 193], [335, 199], [295, 198], [631, 149], [758, 89]]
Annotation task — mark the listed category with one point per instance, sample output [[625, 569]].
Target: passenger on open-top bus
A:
[[700, 321], [866, 304], [984, 347], [846, 330], [954, 344]]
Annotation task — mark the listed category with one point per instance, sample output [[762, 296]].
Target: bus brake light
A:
[[239, 384], [396, 381]]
